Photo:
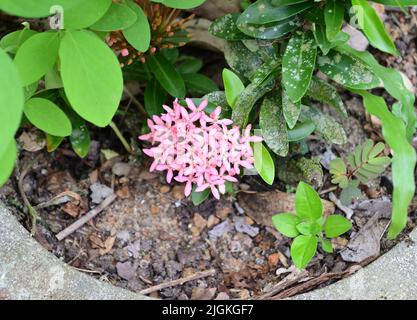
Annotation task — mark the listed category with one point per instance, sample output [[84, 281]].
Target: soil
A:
[[151, 234]]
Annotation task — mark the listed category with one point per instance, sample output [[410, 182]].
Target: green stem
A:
[[121, 138]]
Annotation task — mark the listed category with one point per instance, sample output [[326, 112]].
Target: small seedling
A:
[[308, 226], [364, 164]]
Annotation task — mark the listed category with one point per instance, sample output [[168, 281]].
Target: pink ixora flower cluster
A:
[[200, 149]]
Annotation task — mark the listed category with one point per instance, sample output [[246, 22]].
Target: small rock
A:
[[212, 221], [223, 212], [221, 229], [121, 255], [339, 243], [134, 249], [178, 192], [126, 270], [273, 259], [123, 236], [203, 293], [146, 175], [121, 169], [283, 259], [123, 193], [154, 209], [99, 192], [222, 296], [199, 222], [164, 189], [242, 226]]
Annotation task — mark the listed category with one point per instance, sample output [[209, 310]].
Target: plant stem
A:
[[121, 138]]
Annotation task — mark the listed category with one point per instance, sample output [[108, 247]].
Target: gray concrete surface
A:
[[28, 271]]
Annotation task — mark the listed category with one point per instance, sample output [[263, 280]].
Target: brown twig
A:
[[177, 282], [84, 219]]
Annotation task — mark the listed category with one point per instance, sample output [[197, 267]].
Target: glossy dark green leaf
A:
[[53, 142], [155, 96], [243, 61], [324, 44], [225, 27], [290, 109], [333, 16], [273, 126], [199, 84], [298, 64], [167, 75], [347, 70], [190, 65], [301, 131], [273, 30]]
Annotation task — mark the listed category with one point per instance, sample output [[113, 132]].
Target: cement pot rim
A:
[[391, 276]]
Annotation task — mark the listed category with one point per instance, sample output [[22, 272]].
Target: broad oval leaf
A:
[[225, 27], [80, 136], [273, 126], [233, 86], [373, 27], [301, 131], [264, 163], [274, 30], [307, 202], [243, 61], [347, 70], [53, 142], [182, 4], [189, 65], [118, 17], [336, 225], [298, 64], [91, 75], [7, 161], [85, 13], [333, 16], [303, 249], [286, 223], [290, 109], [37, 56], [139, 34], [48, 117], [12, 41], [36, 8], [11, 101]]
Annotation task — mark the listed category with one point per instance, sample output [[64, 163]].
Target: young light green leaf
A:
[[182, 4], [233, 86], [273, 126], [12, 41], [53, 142], [167, 76], [7, 161], [52, 80], [298, 64], [336, 225], [11, 101], [286, 223], [309, 228], [35, 8], [48, 117], [264, 163], [118, 17], [37, 56], [373, 27], [333, 16], [91, 75], [307, 202], [85, 13], [347, 70], [326, 245], [138, 34], [303, 249]]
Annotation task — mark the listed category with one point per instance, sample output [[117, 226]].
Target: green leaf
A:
[[7, 161], [326, 125], [309, 228], [155, 97], [11, 102], [301, 131], [393, 83], [324, 44], [139, 34], [403, 161], [80, 136], [233, 86], [118, 17], [37, 56], [336, 225], [243, 61], [303, 249], [199, 83], [85, 13], [307, 202], [264, 163], [182, 4], [347, 70], [48, 117], [91, 75], [273, 126], [290, 109], [167, 76], [298, 64], [199, 197], [35, 8], [321, 91], [326, 245], [12, 41], [373, 27], [286, 223], [274, 30], [53, 80], [225, 27], [247, 100], [190, 65], [333, 16], [53, 142], [397, 3]]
